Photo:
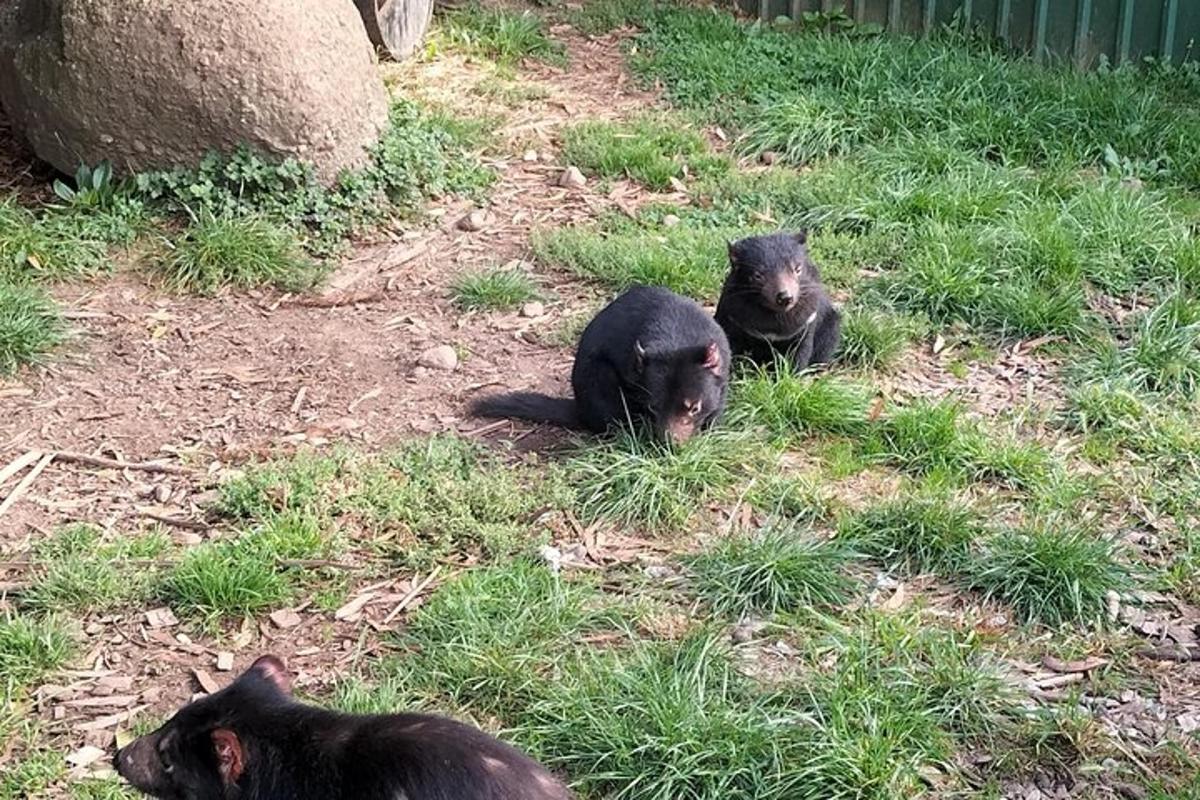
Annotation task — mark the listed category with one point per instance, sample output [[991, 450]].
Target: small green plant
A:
[[496, 288], [791, 403], [50, 246], [650, 150], [80, 572], [1054, 573], [775, 570], [635, 480], [31, 647], [503, 35], [916, 533], [29, 326], [1162, 354], [94, 188], [215, 253], [874, 339]]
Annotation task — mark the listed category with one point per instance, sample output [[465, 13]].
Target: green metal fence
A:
[[1083, 31]]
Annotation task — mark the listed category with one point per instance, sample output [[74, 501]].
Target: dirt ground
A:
[[201, 386]]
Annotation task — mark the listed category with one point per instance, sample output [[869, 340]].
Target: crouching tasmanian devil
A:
[[253, 741], [650, 355], [773, 302]]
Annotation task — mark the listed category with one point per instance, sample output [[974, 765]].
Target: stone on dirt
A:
[[441, 357], [572, 178], [153, 85]]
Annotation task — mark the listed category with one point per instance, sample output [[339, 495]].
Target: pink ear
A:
[[712, 357], [273, 670], [230, 759]]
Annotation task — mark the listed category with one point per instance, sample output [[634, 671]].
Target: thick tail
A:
[[529, 406]]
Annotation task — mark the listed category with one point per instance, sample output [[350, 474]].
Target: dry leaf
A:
[[206, 681], [85, 755], [352, 608], [1086, 665]]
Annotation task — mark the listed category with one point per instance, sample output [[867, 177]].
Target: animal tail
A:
[[529, 406]]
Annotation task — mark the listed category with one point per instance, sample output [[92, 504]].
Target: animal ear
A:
[[230, 758], [731, 246], [273, 670], [800, 236], [711, 359], [639, 355]]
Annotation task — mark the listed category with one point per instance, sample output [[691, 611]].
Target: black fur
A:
[[773, 302], [650, 355], [252, 741]]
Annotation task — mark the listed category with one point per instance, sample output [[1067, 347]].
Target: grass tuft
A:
[[29, 326], [215, 253], [649, 150], [775, 570], [915, 534], [495, 288], [789, 403], [81, 572], [30, 648], [873, 339], [503, 35], [1051, 573]]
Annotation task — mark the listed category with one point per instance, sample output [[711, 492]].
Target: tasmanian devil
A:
[[773, 302], [253, 741], [649, 355]]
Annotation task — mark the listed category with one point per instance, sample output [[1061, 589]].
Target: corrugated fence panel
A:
[[1083, 31]]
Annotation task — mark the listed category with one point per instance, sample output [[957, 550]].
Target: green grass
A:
[[505, 36], [916, 534], [495, 288], [601, 16], [1054, 572], [634, 480], [31, 648], [81, 571], [1160, 352], [874, 339], [794, 404], [808, 96], [775, 570], [31, 775], [30, 326], [651, 150], [217, 253], [53, 245]]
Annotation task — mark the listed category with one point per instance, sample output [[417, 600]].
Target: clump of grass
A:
[[447, 495], [297, 484], [649, 150], [1053, 573], [30, 326], [496, 288], [30, 648], [82, 572], [775, 570], [503, 35], [1162, 354], [50, 246], [691, 261], [915, 533], [215, 253], [790, 403], [632, 479], [490, 641], [32, 775], [602, 16], [798, 499], [874, 339]]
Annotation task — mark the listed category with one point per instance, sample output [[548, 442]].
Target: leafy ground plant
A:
[[497, 288], [650, 150], [30, 326]]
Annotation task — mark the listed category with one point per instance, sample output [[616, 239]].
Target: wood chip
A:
[[352, 609], [161, 618], [1086, 665], [110, 701], [18, 464], [25, 483], [285, 618], [205, 681], [100, 723]]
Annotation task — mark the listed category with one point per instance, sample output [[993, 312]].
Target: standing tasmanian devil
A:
[[252, 741], [649, 355], [773, 302]]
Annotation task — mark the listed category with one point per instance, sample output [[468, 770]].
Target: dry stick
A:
[[112, 463], [18, 464], [25, 483], [412, 594], [178, 522]]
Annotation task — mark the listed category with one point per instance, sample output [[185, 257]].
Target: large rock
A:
[[156, 83]]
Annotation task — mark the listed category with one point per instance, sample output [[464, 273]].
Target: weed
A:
[[48, 247], [298, 484], [632, 479], [30, 648], [506, 36], [102, 789], [81, 572], [779, 569], [1053, 572], [234, 252], [649, 150], [94, 188], [31, 775], [29, 326], [495, 288], [1162, 354], [799, 500], [915, 533]]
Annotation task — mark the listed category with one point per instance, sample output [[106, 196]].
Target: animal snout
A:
[[784, 299]]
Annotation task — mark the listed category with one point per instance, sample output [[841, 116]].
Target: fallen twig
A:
[[176, 522], [18, 464], [25, 483], [1168, 652], [412, 594], [339, 299], [112, 463]]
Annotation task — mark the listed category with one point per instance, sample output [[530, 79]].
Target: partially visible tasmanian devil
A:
[[650, 355], [773, 302], [253, 741]]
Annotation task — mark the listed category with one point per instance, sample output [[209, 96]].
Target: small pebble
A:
[[441, 357], [530, 155], [572, 178], [768, 157], [162, 492], [477, 220], [533, 309], [670, 221], [224, 661]]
